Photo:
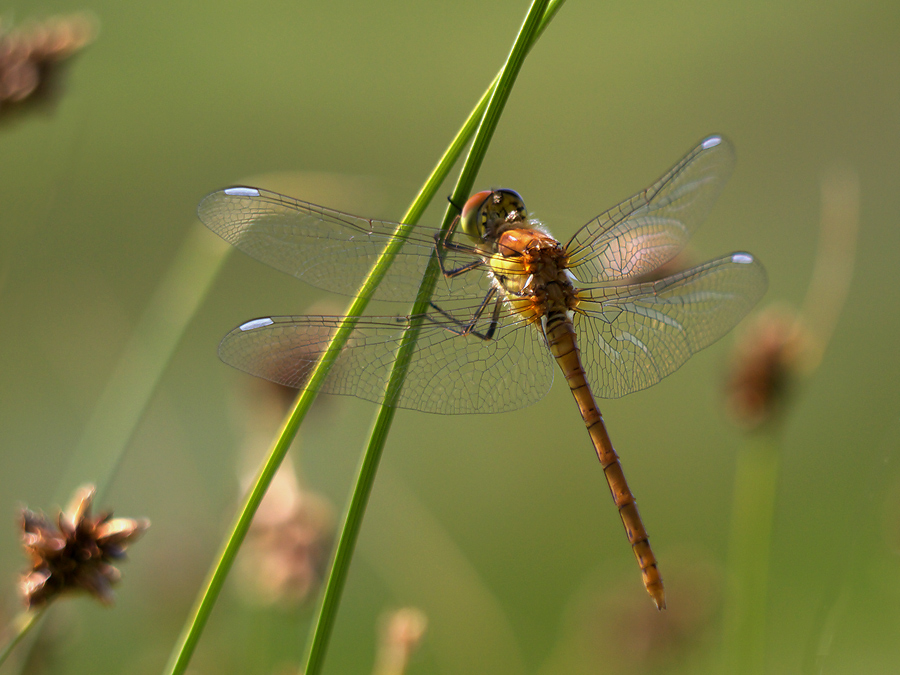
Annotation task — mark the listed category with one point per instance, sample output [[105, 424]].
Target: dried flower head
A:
[[76, 552], [628, 635], [776, 348], [284, 557], [767, 358], [681, 262], [780, 345], [401, 633], [31, 58]]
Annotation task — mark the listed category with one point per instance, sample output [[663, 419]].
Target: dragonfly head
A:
[[486, 212]]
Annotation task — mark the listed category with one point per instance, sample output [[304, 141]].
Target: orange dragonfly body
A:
[[515, 299]]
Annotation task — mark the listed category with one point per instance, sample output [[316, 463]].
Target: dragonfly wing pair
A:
[[631, 333]]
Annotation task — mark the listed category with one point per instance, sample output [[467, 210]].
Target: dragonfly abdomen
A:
[[561, 339]]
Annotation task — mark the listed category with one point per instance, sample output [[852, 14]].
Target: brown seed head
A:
[[283, 560], [76, 552], [628, 635], [31, 58], [679, 263], [779, 346], [766, 359], [401, 633]]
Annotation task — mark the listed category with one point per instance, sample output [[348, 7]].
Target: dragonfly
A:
[[512, 301]]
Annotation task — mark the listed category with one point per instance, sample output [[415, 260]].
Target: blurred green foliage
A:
[[498, 527]]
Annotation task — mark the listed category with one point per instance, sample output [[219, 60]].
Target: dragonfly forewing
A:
[[332, 250], [633, 336], [449, 373], [652, 227]]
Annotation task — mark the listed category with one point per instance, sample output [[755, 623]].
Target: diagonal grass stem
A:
[[538, 18], [359, 499]]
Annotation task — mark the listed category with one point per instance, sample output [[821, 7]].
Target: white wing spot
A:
[[256, 323], [742, 258], [241, 192], [711, 142]]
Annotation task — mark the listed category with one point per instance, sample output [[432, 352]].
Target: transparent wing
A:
[[329, 249], [449, 373], [632, 336], [643, 232]]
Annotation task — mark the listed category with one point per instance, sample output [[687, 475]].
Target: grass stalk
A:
[[352, 524], [193, 629], [21, 626], [750, 543], [128, 391], [126, 395]]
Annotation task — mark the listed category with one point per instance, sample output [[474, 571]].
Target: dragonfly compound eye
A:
[[485, 210]]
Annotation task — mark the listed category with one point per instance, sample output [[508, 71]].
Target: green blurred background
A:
[[499, 527]]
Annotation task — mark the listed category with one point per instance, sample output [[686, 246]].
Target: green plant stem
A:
[[193, 629], [138, 371], [142, 363], [181, 654], [347, 542], [21, 626], [755, 487]]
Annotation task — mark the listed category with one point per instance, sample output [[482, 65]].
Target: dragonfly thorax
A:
[[530, 267]]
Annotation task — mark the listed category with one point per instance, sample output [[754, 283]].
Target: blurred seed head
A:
[[32, 58], [766, 360], [284, 557], [681, 262], [260, 405], [75, 552], [779, 346], [401, 634], [627, 634]]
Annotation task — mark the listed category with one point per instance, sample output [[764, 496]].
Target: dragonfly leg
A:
[[443, 242], [450, 274], [442, 239], [468, 328]]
